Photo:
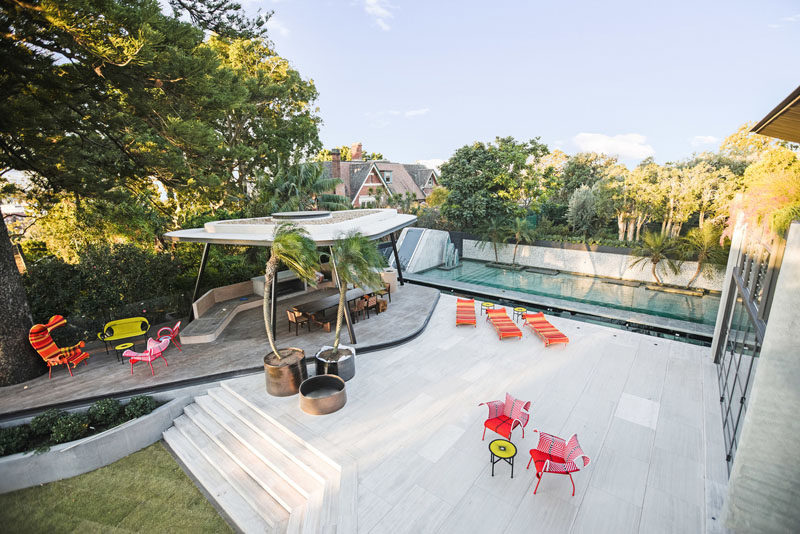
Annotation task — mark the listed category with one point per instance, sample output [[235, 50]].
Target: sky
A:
[[416, 80]]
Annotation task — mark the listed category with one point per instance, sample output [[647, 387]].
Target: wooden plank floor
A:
[[242, 345], [645, 411]]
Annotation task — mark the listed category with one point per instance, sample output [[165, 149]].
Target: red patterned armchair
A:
[[504, 417], [41, 340], [554, 455]]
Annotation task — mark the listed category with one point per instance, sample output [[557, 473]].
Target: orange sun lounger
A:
[[465, 312], [503, 324], [549, 333]]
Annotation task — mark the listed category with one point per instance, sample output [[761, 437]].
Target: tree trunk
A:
[[494, 245], [655, 274], [702, 218], [620, 227], [269, 275], [631, 228], [514, 259], [339, 317], [696, 274], [18, 361], [640, 220], [664, 226]]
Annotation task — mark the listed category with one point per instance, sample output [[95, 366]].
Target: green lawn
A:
[[145, 492]]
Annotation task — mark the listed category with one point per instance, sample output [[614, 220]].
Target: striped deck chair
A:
[[549, 333], [465, 312], [503, 324], [554, 455], [41, 340]]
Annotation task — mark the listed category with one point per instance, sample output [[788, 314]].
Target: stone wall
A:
[[594, 264]]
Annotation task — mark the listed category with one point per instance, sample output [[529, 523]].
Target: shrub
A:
[[70, 427], [105, 412], [139, 406], [14, 439], [42, 424]]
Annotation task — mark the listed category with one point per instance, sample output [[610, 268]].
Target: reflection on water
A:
[[586, 289]]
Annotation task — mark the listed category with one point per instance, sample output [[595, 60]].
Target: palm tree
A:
[[299, 187], [522, 233], [496, 231], [703, 242], [656, 248], [292, 247], [356, 261]]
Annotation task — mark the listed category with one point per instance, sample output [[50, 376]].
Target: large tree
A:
[[488, 180]]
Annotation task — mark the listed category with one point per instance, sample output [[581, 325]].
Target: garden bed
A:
[[25, 469]]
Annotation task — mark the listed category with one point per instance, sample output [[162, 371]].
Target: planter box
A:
[[66, 460]]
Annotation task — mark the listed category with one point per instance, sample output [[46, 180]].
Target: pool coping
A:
[[634, 318]]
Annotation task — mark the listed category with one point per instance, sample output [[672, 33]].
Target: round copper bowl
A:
[[322, 394]]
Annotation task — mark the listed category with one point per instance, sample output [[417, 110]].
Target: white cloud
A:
[[793, 18], [416, 112], [275, 25], [380, 11], [700, 140], [626, 146], [773, 25]]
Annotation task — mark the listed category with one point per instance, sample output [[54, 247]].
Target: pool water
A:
[[587, 289]]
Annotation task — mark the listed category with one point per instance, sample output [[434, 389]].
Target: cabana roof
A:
[[323, 227]]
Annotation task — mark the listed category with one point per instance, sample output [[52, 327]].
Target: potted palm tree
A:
[[703, 242], [522, 233], [285, 368], [656, 248], [357, 261]]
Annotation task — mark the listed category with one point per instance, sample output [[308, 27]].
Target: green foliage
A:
[[140, 405], [105, 412], [437, 197], [582, 210], [495, 231], [522, 232], [42, 424], [299, 187], [492, 180], [703, 244], [357, 261], [69, 427], [14, 439], [344, 155], [656, 249], [586, 168]]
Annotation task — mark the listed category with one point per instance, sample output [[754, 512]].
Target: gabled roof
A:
[[406, 177]]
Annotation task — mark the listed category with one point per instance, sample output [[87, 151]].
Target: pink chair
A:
[[171, 333], [504, 417], [155, 349], [554, 455]]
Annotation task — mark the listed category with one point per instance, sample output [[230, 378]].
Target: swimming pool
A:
[[586, 289]]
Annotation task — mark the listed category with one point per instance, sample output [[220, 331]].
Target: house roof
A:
[[782, 122], [406, 177], [323, 227]]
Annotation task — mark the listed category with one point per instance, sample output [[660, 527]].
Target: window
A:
[[387, 176]]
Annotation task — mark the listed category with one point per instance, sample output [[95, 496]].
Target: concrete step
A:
[[239, 511], [269, 510], [285, 494]]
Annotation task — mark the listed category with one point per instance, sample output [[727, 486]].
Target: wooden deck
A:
[[645, 410], [241, 346]]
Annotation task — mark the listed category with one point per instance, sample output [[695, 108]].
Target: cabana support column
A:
[[203, 261], [347, 317], [397, 260]]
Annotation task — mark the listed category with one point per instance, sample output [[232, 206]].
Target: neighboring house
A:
[[362, 179]]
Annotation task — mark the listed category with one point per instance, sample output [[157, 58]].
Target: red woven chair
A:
[[465, 312], [503, 324], [171, 333], [546, 331], [554, 455], [41, 340], [155, 350], [504, 417]]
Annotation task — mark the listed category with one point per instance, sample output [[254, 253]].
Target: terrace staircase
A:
[[260, 473]]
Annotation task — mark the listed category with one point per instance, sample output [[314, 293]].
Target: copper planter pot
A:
[[345, 367], [284, 376], [322, 394]]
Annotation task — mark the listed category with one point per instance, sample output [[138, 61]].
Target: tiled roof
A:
[[409, 177]]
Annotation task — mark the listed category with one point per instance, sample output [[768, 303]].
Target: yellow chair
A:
[[124, 329]]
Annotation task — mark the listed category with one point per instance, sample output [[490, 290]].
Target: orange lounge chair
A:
[[503, 324], [549, 333], [465, 312], [40, 339]]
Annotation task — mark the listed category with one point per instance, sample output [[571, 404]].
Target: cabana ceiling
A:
[[324, 228], [782, 122]]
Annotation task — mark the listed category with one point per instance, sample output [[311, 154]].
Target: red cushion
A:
[[501, 425], [557, 464]]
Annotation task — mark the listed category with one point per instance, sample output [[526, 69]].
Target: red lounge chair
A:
[[155, 350], [503, 324], [41, 340], [465, 312], [171, 333], [549, 333], [504, 417], [554, 455]]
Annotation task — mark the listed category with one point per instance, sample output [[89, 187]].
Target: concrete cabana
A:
[[323, 227]]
